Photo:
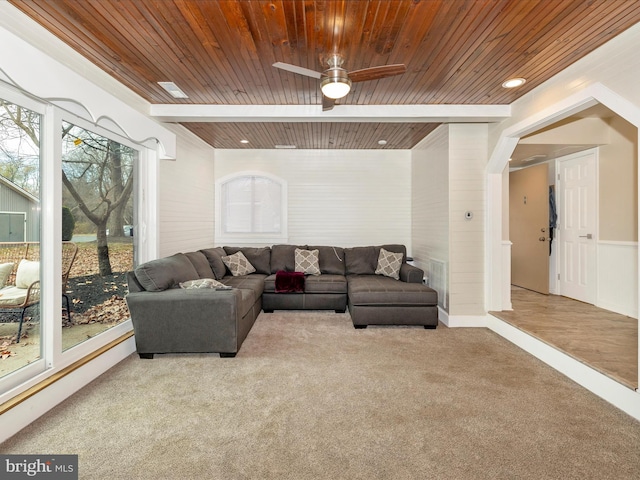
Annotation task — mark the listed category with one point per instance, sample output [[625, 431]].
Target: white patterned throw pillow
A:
[[307, 261], [389, 264], [238, 264], [204, 283]]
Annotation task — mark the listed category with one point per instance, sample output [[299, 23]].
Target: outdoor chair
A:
[[20, 277]]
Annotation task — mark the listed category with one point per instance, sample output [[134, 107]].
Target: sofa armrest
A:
[[411, 274], [182, 320]]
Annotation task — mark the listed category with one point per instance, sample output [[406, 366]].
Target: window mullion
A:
[[51, 240]]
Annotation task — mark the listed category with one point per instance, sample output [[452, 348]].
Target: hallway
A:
[[603, 340]]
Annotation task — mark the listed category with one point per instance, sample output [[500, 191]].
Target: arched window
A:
[[251, 208]]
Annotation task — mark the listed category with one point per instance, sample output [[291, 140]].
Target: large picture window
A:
[[98, 248], [20, 292], [63, 274]]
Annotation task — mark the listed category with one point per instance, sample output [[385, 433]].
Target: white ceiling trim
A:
[[341, 113]]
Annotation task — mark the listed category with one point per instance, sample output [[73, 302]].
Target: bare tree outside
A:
[[19, 147], [97, 174], [97, 179]]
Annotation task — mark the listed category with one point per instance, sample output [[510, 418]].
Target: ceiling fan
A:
[[335, 82]]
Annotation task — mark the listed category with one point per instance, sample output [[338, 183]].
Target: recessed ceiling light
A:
[[285, 146], [244, 141], [382, 142], [514, 82], [173, 89]]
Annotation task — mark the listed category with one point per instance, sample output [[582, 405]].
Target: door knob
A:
[[542, 239], [588, 236]]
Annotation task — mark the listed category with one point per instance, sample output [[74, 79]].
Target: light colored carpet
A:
[[310, 397]]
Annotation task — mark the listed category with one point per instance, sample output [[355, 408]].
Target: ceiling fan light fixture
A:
[[336, 84]]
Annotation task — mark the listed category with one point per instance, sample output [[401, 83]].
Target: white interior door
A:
[[577, 221]]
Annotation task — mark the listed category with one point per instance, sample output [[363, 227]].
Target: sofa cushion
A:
[[364, 260], [331, 259], [380, 290], [204, 283], [389, 264], [214, 256], [12, 296], [253, 282], [283, 258], [360, 260], [260, 258], [238, 264], [306, 261], [314, 284], [250, 288], [163, 273], [201, 264], [326, 283]]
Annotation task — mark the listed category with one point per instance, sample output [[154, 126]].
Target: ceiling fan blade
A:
[[375, 73], [327, 103], [299, 70]]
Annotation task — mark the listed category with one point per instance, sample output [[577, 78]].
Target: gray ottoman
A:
[[380, 300]]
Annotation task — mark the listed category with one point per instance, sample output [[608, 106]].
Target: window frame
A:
[[52, 358], [249, 238]]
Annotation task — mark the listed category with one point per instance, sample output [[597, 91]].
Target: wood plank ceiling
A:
[[221, 53]]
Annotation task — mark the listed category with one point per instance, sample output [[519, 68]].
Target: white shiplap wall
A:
[[430, 200], [336, 197], [468, 157], [186, 197]]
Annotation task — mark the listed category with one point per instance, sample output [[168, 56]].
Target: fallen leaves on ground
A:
[[113, 310], [6, 354], [86, 261]]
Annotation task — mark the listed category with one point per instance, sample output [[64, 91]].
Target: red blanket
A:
[[289, 282]]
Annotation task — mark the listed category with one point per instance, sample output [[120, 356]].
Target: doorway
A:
[[529, 227], [596, 240]]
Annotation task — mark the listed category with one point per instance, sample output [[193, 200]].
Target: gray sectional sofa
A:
[[215, 316]]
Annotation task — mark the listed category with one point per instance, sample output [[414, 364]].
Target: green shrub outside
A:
[[68, 224]]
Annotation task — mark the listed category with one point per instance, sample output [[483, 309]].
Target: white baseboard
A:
[[26, 412], [455, 321]]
